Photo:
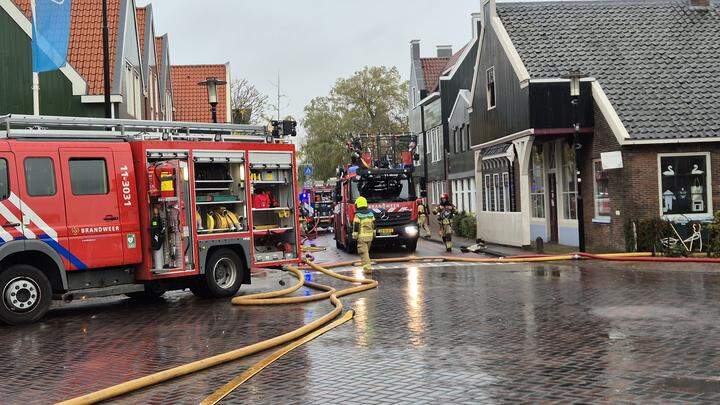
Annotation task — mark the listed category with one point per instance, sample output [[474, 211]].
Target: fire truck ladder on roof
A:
[[73, 128]]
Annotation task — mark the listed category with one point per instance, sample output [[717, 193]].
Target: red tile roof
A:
[[432, 69], [190, 99], [159, 50], [24, 6], [86, 50], [456, 57], [141, 13]]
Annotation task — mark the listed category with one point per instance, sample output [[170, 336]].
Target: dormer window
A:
[[490, 87]]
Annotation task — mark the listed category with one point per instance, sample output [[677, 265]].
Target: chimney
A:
[[444, 51], [476, 24], [699, 4], [415, 49]]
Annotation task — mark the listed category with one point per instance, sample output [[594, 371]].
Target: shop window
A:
[[537, 183], [40, 176], [685, 184], [602, 191], [490, 87], [88, 176], [569, 190]]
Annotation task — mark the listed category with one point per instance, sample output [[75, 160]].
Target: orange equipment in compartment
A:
[[166, 173]]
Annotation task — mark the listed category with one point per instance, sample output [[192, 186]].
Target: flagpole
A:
[[106, 59], [35, 77]]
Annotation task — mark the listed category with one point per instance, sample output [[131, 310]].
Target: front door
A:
[[91, 204], [11, 226], [552, 190]]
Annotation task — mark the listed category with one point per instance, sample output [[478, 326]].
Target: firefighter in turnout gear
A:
[[445, 213], [423, 219], [364, 232]]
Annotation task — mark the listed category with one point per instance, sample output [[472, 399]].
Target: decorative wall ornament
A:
[[696, 170], [669, 171], [668, 200]]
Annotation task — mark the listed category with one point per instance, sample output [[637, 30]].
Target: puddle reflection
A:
[[415, 303]]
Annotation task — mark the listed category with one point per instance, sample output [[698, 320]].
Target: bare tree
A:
[[248, 104]]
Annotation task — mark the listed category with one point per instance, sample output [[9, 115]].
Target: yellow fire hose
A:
[[304, 333]]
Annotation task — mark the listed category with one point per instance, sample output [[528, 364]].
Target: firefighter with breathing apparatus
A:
[[423, 220], [445, 212], [364, 232]]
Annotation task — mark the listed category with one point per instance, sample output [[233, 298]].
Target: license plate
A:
[[385, 231]]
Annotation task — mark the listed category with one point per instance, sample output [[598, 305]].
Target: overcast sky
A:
[[309, 42]]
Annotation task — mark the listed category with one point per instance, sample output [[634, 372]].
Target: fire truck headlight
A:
[[411, 230]]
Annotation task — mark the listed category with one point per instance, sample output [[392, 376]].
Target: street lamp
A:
[[211, 83], [575, 102]]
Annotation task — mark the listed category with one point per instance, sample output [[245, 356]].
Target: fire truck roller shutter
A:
[[38, 254], [241, 246]]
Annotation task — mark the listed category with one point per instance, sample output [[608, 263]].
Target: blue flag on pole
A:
[[51, 34]]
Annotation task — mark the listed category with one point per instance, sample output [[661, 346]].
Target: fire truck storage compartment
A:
[[273, 206], [220, 192], [170, 214]]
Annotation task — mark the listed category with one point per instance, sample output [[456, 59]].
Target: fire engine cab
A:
[[381, 171], [97, 207]]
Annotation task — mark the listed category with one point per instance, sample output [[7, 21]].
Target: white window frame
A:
[[494, 88], [472, 195], [708, 173], [486, 192], [505, 178], [544, 193], [563, 192]]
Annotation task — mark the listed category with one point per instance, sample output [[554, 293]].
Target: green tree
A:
[[371, 101]]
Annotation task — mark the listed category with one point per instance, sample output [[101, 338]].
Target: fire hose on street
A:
[[310, 331]]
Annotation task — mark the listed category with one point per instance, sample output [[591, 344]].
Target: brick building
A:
[[648, 115]]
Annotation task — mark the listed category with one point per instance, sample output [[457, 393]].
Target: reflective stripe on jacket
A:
[[364, 226]]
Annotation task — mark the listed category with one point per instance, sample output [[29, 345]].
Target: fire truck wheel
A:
[[223, 275], [352, 248], [26, 294], [338, 245]]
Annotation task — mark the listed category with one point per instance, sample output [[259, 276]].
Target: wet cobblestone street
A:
[[574, 332]]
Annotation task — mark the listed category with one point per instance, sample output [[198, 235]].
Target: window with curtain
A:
[[569, 185], [602, 191], [537, 183]]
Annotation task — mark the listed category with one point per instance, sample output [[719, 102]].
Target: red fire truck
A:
[[96, 207], [381, 171], [322, 203]]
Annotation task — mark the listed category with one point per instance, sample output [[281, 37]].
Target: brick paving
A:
[[565, 332]]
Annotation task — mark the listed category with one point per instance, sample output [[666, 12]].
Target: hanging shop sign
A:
[[611, 160]]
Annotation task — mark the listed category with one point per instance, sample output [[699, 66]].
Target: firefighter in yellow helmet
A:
[[445, 213], [364, 232]]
